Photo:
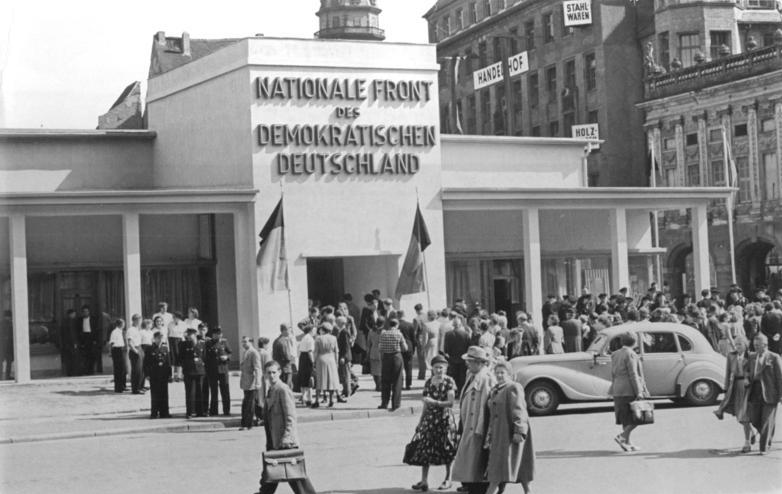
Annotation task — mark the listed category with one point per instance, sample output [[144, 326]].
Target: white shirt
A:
[[177, 329], [85, 325], [163, 331], [307, 344], [145, 336], [192, 323], [167, 317], [134, 336], [116, 340]]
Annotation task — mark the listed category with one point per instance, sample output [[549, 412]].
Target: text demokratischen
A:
[[348, 92]]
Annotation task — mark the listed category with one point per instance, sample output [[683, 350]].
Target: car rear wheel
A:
[[702, 393], [542, 398]]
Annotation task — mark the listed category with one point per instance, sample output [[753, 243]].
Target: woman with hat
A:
[[326, 372], [434, 442], [509, 438], [469, 464]]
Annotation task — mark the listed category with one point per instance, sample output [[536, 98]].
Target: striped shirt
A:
[[392, 341]]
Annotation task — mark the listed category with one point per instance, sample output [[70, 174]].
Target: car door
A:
[[662, 361], [600, 365]]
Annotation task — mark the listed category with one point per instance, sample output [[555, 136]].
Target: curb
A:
[[195, 426]]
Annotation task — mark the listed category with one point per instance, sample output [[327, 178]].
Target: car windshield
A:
[[598, 343]]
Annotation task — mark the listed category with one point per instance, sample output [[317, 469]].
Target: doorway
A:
[[325, 280]]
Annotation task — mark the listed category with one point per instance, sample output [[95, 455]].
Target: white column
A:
[[680, 154], [18, 250], [753, 158], [245, 239], [700, 248], [620, 268], [533, 286], [131, 255]]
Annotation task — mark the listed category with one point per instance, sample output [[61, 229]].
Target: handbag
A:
[[411, 451], [283, 465], [642, 412]]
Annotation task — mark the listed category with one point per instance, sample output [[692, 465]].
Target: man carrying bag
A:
[[282, 461]]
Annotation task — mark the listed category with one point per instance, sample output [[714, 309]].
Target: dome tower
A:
[[350, 19]]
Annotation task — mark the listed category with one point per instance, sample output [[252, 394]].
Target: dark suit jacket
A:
[[191, 356], [572, 332], [456, 344], [366, 323], [770, 376], [408, 331], [213, 352], [770, 325], [280, 413]]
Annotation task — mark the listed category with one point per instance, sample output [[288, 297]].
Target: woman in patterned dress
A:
[[434, 442]]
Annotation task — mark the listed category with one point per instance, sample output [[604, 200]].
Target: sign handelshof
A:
[[518, 64], [577, 12], [589, 132]]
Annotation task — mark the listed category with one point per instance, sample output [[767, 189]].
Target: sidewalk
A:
[[88, 407]]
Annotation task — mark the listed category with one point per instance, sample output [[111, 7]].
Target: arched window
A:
[[335, 21]]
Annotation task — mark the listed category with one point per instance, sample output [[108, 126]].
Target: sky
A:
[[64, 62]]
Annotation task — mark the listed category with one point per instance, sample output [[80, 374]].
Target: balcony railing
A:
[[352, 32], [757, 4], [726, 69]]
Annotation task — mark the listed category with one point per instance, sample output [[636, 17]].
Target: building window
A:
[[501, 5], [768, 39], [459, 19], [569, 120], [335, 21], [553, 129], [670, 177], [486, 8], [514, 40], [529, 34], [482, 54], [669, 144], [548, 28], [692, 139], [533, 88], [745, 181], [693, 175], [445, 30], [768, 125], [715, 135], [592, 116], [551, 82], [590, 71], [570, 89], [740, 130], [471, 122], [689, 45], [771, 171], [718, 173], [664, 49], [536, 131], [718, 38], [497, 48], [473, 12], [485, 112]]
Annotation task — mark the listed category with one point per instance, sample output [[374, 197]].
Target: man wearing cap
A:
[[217, 355], [771, 326], [469, 465], [191, 356], [159, 369]]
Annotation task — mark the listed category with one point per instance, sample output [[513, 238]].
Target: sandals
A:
[[621, 442], [444, 486], [421, 486]]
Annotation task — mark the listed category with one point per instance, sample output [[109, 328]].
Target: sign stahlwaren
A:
[[577, 12], [518, 64]]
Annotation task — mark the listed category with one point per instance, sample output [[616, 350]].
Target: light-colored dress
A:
[[555, 337], [326, 356], [433, 343]]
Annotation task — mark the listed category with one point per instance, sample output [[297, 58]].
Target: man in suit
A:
[[408, 331], [765, 390], [282, 353], [280, 426], [90, 330], [771, 326], [159, 368], [457, 342], [249, 381], [217, 355], [69, 344], [571, 327], [191, 356]]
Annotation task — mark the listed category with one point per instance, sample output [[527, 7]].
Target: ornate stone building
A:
[[350, 19], [688, 110]]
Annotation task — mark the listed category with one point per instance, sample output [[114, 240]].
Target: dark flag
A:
[[411, 279], [271, 258]]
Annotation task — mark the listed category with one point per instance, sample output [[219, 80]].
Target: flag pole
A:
[[727, 157], [423, 257], [287, 267], [655, 214]]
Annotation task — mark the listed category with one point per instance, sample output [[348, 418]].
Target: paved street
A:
[[687, 451]]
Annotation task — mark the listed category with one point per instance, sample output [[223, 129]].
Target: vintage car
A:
[[678, 363]]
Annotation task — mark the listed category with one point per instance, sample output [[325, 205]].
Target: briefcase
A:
[[283, 465], [642, 412]]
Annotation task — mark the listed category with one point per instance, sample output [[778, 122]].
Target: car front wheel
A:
[[542, 398], [702, 393]]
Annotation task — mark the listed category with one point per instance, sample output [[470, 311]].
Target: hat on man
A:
[[438, 359], [476, 353]]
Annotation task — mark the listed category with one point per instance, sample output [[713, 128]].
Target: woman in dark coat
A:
[[509, 437], [735, 400], [627, 386]]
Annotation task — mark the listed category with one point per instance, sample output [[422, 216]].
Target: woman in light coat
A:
[[509, 438], [736, 394], [469, 465]]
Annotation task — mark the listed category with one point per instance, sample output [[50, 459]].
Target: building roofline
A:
[[128, 196], [77, 134], [551, 141]]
